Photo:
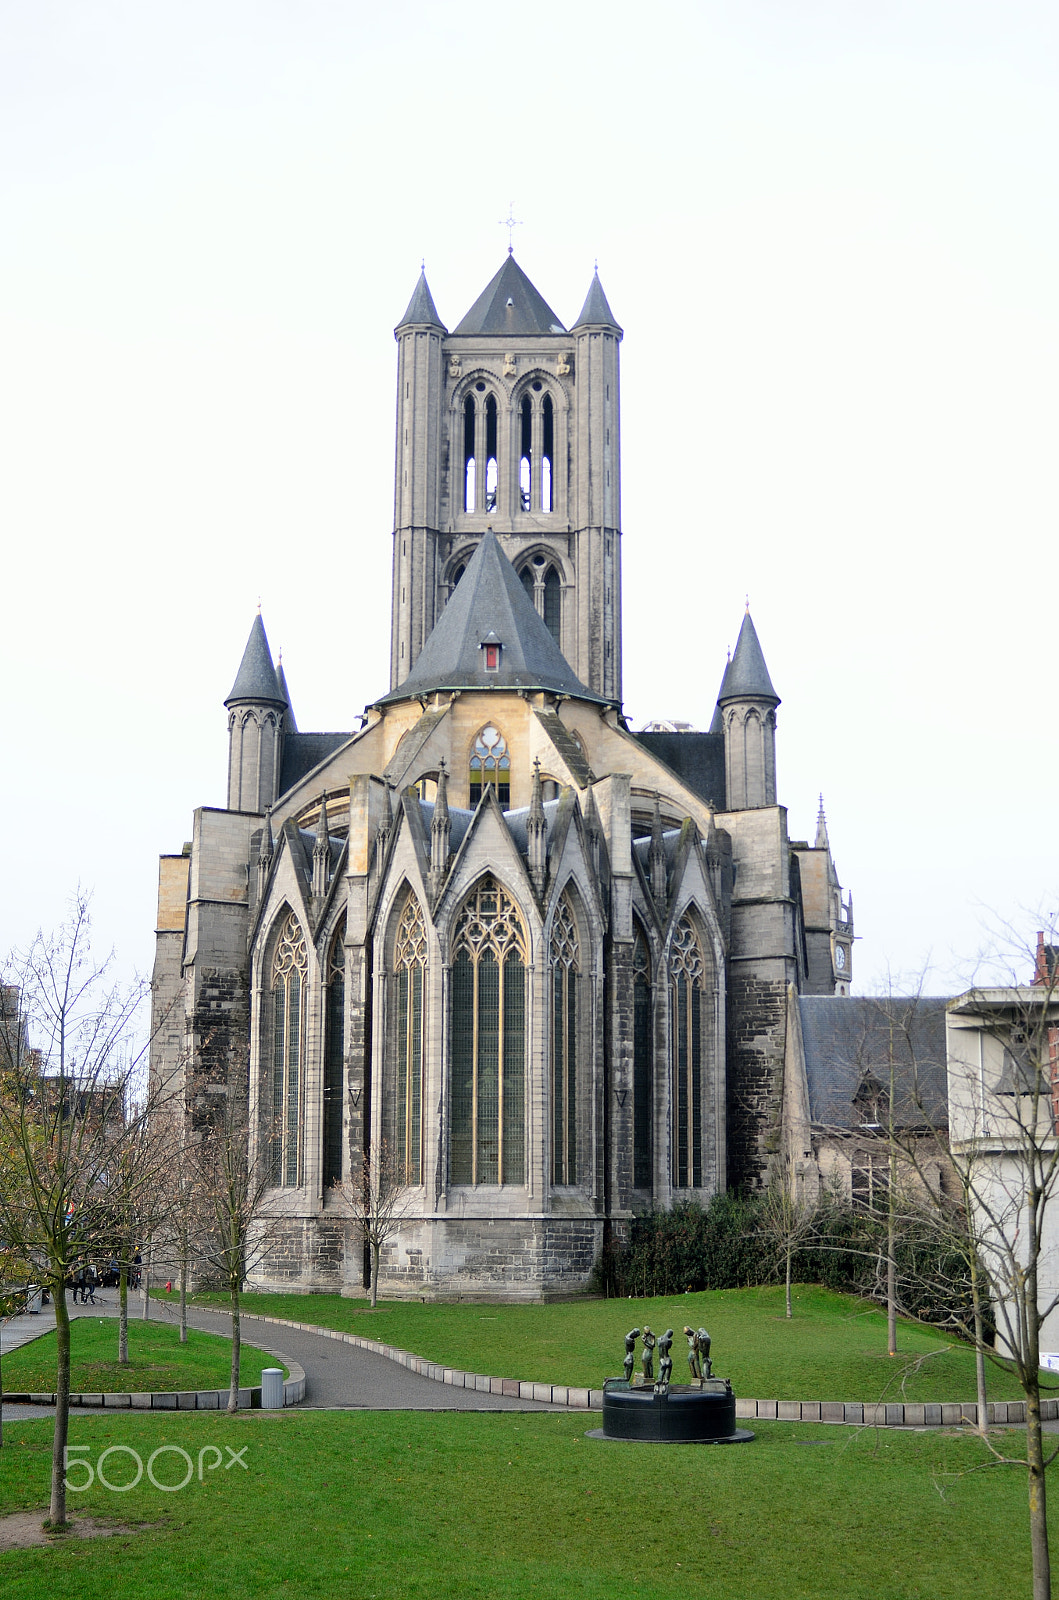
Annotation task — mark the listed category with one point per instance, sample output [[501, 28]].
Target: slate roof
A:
[[596, 310], [848, 1040], [256, 679], [304, 751], [746, 676], [510, 304], [421, 307], [697, 759], [490, 599]]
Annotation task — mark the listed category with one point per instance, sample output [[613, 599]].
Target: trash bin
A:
[[272, 1389], [33, 1298]]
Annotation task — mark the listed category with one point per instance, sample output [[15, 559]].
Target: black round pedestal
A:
[[681, 1414]]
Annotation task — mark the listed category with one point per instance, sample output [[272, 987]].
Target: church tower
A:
[[256, 706], [511, 422]]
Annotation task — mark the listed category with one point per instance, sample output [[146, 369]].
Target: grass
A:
[[420, 1506], [834, 1348], [158, 1361]]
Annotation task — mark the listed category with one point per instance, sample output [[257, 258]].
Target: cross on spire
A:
[[510, 222]]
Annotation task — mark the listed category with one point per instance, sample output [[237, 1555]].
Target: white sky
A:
[[830, 232]]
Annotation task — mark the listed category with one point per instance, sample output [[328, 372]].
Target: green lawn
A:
[[157, 1360], [834, 1348], [414, 1506]]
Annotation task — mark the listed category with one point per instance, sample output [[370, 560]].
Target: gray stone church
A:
[[541, 961]]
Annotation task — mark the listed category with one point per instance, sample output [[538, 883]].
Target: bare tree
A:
[[379, 1200], [233, 1177], [790, 1221], [1002, 1217], [66, 1124]]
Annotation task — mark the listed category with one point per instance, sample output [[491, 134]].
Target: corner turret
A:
[[747, 704], [256, 708]]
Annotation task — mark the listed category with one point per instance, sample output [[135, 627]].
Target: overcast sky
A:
[[829, 230]]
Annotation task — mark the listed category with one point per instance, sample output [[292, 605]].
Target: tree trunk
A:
[[123, 1311], [184, 1298], [233, 1391], [979, 1353], [374, 1274], [146, 1286], [891, 1288], [57, 1508], [1042, 1572], [788, 1281]]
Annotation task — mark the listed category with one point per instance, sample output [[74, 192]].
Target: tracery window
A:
[[286, 1053], [334, 1053], [687, 972], [545, 588], [488, 1139], [480, 469], [403, 1103], [642, 1067], [565, 958], [536, 456], [490, 763]]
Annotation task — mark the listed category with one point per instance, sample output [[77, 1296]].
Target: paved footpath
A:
[[338, 1376]]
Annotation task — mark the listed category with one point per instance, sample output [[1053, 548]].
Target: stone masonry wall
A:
[[757, 1016]]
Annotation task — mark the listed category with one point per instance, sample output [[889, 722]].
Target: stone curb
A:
[[855, 1413], [176, 1399]]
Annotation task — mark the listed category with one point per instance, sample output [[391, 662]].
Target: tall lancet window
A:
[[403, 1100], [286, 1053], [687, 971], [469, 473], [547, 451], [525, 453], [334, 1055], [565, 958], [491, 473], [642, 1066], [488, 1116]]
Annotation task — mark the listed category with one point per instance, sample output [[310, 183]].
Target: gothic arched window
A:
[[481, 474], [490, 763], [642, 1067], [565, 958], [334, 1054], [545, 588], [403, 1102], [488, 1118], [687, 971], [286, 1053]]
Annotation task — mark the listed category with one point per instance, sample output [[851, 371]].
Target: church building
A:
[[537, 963]]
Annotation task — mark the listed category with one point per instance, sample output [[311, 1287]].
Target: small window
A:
[[490, 764]]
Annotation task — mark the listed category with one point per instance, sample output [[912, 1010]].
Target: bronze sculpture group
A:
[[699, 1363]]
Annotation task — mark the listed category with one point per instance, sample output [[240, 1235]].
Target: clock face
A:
[[840, 958]]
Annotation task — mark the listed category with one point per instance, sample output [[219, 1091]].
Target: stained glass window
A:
[[686, 988], [403, 1104], [334, 1050], [642, 1067], [289, 966], [488, 1140], [566, 982], [490, 763]]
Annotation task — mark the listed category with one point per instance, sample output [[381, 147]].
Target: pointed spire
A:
[[747, 677], [596, 312], [265, 853], [440, 832], [510, 304], [289, 724], [256, 679], [321, 853], [593, 831], [822, 841], [656, 859], [422, 311], [537, 832]]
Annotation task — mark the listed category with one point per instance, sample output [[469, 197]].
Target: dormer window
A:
[[491, 648]]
